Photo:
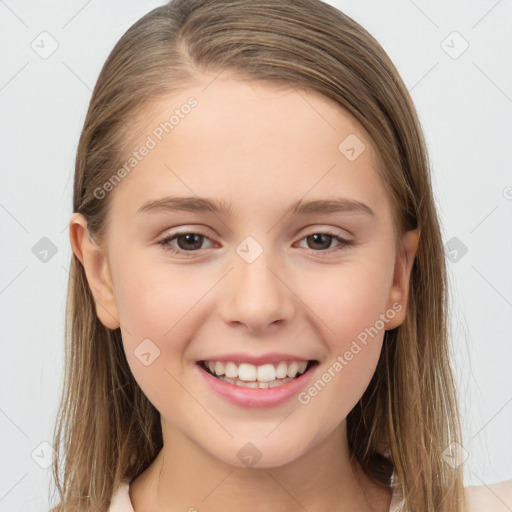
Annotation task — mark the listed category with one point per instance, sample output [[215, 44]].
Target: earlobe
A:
[[402, 275], [95, 263]]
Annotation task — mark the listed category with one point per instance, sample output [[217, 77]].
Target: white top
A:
[[484, 498]]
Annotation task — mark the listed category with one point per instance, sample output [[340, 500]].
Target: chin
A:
[[259, 454]]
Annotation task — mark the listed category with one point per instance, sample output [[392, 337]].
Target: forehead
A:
[[224, 105], [249, 141]]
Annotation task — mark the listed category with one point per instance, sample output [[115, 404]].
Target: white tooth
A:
[[275, 383], [263, 385], [281, 370], [211, 366], [247, 371], [302, 366], [266, 373], [250, 384], [219, 368], [231, 370], [292, 369]]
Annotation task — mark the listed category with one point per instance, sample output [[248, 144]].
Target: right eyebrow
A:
[[189, 204]]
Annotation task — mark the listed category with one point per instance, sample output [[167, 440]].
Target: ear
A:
[[399, 292], [97, 271]]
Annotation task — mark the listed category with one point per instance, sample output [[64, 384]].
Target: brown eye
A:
[[183, 243], [190, 241], [321, 242]]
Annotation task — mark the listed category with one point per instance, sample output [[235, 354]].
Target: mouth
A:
[[247, 375]]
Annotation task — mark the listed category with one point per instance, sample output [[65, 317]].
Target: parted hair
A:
[[106, 429]]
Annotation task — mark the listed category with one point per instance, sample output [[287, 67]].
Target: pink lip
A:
[[255, 360], [255, 398]]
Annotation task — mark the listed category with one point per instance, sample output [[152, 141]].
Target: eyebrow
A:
[[300, 207]]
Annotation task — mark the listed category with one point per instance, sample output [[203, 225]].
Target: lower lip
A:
[[256, 397]]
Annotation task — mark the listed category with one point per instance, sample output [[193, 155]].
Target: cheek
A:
[[160, 308], [347, 299], [154, 307], [154, 298], [349, 305]]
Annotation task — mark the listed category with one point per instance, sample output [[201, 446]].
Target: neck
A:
[[185, 477]]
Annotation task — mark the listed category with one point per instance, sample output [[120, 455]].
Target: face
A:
[[254, 239]]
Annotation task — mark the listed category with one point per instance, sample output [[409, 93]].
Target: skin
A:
[[259, 148]]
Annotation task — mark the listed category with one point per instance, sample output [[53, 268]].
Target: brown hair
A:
[[107, 429]]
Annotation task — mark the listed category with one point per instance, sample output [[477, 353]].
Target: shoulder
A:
[[121, 499], [482, 498], [489, 498]]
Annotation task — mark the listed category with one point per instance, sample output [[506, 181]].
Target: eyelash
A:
[[165, 243]]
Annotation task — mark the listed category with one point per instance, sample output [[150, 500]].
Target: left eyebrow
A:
[[300, 207], [330, 206]]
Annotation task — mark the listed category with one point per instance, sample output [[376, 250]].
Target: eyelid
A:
[[343, 242], [324, 228], [307, 230], [164, 241], [179, 230]]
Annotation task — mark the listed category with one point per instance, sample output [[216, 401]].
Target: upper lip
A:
[[255, 360]]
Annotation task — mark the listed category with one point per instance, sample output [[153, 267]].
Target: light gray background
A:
[[465, 105]]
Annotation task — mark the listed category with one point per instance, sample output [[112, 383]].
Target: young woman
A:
[[257, 301]]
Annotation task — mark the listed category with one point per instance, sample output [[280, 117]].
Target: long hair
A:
[[107, 430]]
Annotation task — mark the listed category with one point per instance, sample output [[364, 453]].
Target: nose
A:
[[256, 296]]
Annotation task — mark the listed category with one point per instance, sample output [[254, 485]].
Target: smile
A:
[[247, 375]]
